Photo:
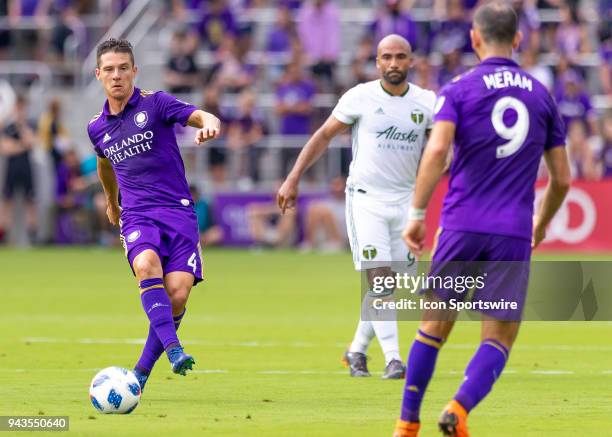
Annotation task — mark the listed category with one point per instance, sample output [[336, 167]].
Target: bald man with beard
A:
[[389, 119]]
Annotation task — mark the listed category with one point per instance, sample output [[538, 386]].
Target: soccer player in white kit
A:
[[390, 119]]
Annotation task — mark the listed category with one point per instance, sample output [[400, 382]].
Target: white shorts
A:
[[375, 233]]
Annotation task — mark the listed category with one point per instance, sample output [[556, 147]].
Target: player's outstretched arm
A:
[[311, 152], [209, 126], [558, 185], [111, 190], [430, 171]]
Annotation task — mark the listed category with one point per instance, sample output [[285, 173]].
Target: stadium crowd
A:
[[295, 57]]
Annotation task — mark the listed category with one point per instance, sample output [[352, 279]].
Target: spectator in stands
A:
[[18, 139], [280, 40], [605, 153], [294, 106], [529, 24], [574, 103], [181, 74], [451, 65], [423, 74], [27, 41], [217, 153], [282, 32], [364, 62], [543, 73], [71, 184], [581, 155], [270, 228], [210, 233], [294, 5], [231, 72], [453, 32], [217, 24], [393, 18], [5, 33], [72, 224], [325, 226], [52, 131], [244, 133], [572, 37], [68, 26], [605, 53], [319, 32]]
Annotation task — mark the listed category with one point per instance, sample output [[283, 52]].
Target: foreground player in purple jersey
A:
[[502, 121], [139, 159]]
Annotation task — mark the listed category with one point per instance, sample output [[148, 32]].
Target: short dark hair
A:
[[116, 46], [497, 22]]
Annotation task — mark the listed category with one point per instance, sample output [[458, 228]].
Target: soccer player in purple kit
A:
[[139, 159], [501, 121]]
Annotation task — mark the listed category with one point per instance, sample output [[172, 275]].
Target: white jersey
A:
[[388, 137]]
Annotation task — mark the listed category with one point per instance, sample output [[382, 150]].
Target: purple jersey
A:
[[140, 143], [505, 120]]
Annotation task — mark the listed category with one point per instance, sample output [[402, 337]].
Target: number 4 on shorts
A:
[[192, 262]]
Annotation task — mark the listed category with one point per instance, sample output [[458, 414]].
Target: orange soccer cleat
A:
[[453, 421], [406, 429]]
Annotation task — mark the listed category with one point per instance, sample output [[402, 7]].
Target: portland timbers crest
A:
[[369, 252], [417, 116]]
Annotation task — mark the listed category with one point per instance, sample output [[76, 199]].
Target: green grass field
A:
[[267, 330]]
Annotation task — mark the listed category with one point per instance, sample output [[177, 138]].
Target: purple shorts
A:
[[171, 232], [499, 263]]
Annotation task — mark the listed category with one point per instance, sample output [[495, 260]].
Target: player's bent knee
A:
[[178, 298], [147, 265]]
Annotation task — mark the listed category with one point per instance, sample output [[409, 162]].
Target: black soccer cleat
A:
[[394, 370], [357, 364]]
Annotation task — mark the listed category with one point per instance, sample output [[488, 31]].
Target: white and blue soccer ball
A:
[[114, 390]]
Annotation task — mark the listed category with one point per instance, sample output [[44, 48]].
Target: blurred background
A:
[[272, 71]]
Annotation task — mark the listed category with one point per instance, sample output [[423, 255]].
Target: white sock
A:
[[363, 336], [386, 332]]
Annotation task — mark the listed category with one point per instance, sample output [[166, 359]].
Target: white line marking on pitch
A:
[[304, 372], [300, 344]]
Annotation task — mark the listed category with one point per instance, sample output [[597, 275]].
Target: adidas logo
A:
[[156, 305], [106, 138], [379, 111]]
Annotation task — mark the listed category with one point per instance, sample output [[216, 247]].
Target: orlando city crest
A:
[[417, 116], [141, 118]]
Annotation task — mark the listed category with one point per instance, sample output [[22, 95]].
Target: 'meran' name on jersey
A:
[[388, 134], [505, 120], [141, 145]]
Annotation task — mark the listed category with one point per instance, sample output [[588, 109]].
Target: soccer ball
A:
[[114, 390]]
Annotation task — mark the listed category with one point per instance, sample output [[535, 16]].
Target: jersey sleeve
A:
[[348, 109], [173, 110], [93, 141], [445, 108], [555, 135], [431, 103]]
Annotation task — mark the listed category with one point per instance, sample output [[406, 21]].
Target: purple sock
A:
[[420, 367], [153, 348], [158, 308], [485, 367]]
